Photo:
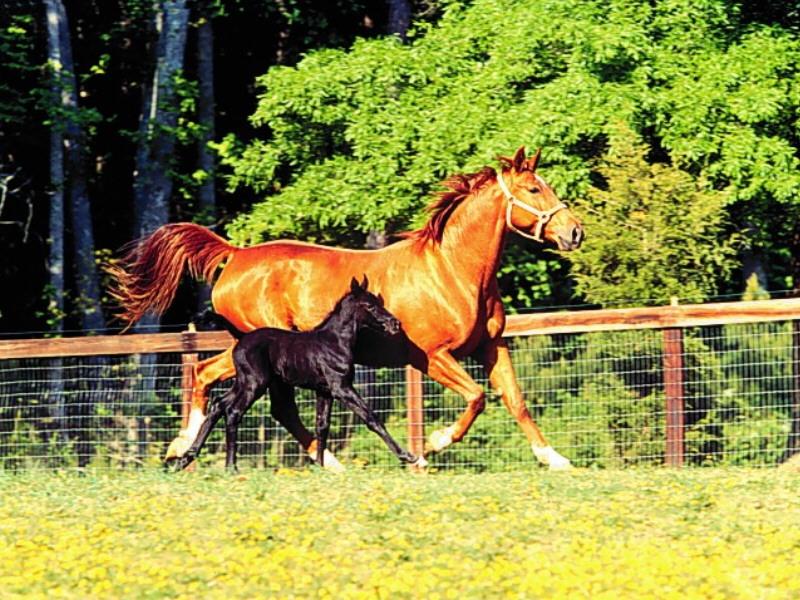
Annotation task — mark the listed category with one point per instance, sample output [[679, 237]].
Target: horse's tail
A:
[[147, 276]]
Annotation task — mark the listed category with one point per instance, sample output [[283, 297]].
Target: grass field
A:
[[307, 534]]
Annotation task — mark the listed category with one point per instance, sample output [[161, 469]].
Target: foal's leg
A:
[[497, 361], [233, 418], [350, 398], [284, 410], [253, 372], [324, 403], [217, 409]]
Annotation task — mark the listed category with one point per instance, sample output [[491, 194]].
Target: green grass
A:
[[648, 533]]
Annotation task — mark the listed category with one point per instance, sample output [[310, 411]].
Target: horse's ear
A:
[[533, 161], [364, 283], [354, 287], [519, 158]]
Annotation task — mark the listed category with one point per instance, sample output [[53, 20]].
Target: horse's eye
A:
[[535, 190]]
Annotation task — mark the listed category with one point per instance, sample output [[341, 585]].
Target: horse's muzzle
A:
[[573, 240]]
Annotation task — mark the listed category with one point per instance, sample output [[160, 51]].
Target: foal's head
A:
[[368, 310]]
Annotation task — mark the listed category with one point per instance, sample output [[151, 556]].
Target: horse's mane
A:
[[446, 201]]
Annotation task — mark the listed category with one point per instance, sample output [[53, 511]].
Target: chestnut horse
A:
[[440, 282]]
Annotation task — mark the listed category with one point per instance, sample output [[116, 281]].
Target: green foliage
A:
[[657, 232], [18, 67], [354, 140]]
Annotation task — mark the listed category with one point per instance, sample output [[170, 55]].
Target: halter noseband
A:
[[543, 215]]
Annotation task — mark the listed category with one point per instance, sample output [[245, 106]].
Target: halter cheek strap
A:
[[544, 216]]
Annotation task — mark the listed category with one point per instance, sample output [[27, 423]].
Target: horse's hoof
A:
[[178, 447], [554, 461], [440, 439]]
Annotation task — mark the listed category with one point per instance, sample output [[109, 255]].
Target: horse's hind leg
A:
[[284, 410], [206, 373]]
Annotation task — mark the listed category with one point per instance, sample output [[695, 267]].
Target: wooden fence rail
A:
[[671, 319]]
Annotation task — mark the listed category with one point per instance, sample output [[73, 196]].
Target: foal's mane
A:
[[446, 201]]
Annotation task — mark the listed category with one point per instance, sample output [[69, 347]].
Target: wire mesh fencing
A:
[[602, 399]]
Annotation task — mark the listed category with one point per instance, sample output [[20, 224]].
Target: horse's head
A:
[[369, 310], [533, 210]]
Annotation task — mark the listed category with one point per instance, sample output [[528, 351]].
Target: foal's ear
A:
[[364, 283], [354, 287]]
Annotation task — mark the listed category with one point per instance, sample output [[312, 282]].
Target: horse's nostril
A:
[[577, 235]]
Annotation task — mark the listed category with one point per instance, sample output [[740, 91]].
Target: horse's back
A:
[[286, 284]]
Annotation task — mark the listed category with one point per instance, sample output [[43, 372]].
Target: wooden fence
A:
[[671, 319]]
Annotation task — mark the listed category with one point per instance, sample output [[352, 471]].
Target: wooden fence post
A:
[[414, 413], [793, 441], [673, 391], [189, 358]]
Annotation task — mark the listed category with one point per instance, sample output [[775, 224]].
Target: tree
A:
[[353, 140], [86, 276], [154, 155], [55, 263], [656, 232]]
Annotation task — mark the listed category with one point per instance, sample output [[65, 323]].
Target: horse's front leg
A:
[[497, 361], [217, 368], [445, 369]]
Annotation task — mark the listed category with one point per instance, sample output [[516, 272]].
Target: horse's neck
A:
[[474, 236]]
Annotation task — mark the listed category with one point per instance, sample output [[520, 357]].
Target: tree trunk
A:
[[55, 262], [153, 177], [86, 276], [152, 187], [282, 45], [399, 18], [207, 204]]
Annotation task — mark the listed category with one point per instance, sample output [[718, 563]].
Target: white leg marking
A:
[[196, 419], [181, 444], [441, 438], [548, 456], [420, 463], [331, 462]]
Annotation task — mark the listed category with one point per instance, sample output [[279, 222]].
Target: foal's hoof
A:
[[177, 464], [178, 446]]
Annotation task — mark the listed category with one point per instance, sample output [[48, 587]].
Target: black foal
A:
[[320, 360]]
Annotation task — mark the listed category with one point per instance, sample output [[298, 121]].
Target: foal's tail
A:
[[147, 277]]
